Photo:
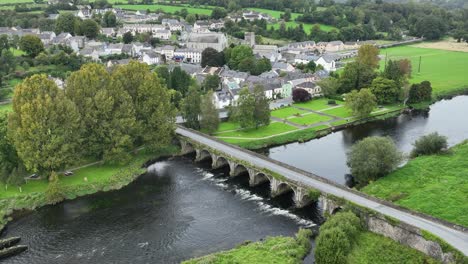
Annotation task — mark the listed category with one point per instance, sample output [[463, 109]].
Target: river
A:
[[326, 156], [181, 210]]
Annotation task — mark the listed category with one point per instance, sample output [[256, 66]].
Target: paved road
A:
[[456, 238]]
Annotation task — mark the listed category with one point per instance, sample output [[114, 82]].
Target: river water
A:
[[181, 210], [326, 156]]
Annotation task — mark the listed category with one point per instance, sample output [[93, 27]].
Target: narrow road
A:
[[456, 238]]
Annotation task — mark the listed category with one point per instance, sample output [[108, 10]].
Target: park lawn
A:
[[263, 131], [446, 70], [309, 119], [16, 1], [167, 8], [274, 13], [307, 27], [279, 249], [17, 52], [377, 249], [317, 104], [286, 112], [342, 111], [227, 126], [436, 185], [6, 108]]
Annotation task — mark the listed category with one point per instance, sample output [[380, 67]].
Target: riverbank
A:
[[85, 181], [436, 185], [272, 250]]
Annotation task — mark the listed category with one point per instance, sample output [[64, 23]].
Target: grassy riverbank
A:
[[299, 122], [271, 250], [436, 185], [87, 180]]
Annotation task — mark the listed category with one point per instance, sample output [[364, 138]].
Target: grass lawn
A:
[[274, 13], [15, 1], [317, 104], [264, 131], [377, 249], [287, 112], [273, 250], [307, 27], [436, 185], [17, 52], [342, 112], [226, 126], [446, 70], [6, 107], [167, 8], [309, 119]]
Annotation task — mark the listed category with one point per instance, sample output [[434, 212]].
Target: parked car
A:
[[68, 173], [34, 176]]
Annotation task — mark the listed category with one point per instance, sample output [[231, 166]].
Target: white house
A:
[[327, 62], [188, 55], [167, 51], [151, 58], [312, 88], [201, 41]]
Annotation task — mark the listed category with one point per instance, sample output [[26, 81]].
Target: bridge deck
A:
[[458, 239]]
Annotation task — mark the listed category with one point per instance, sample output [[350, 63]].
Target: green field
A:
[[274, 13], [342, 112], [436, 185], [446, 70], [309, 119], [287, 112], [317, 104], [377, 249], [264, 131], [307, 27], [3, 2], [167, 8]]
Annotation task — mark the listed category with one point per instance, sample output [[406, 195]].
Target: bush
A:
[[372, 158], [300, 95], [331, 102], [429, 145]]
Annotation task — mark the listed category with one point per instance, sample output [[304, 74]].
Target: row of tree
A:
[[99, 115]]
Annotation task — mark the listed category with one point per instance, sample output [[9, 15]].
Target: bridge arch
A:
[[278, 188], [237, 169], [257, 178], [202, 155], [219, 162], [186, 147]]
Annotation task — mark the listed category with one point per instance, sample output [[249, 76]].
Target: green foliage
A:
[[8, 156], [44, 125], [397, 71], [127, 37], [329, 86], [429, 145], [218, 13], [372, 158], [253, 109], [211, 82], [385, 90], [420, 92], [361, 103], [211, 57], [191, 107], [89, 28], [109, 19], [238, 54], [54, 193], [209, 116], [368, 55], [32, 45], [66, 22], [356, 76], [271, 250], [180, 80]]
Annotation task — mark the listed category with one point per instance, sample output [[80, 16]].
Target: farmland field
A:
[[446, 70], [167, 8], [307, 27], [3, 2], [274, 13]]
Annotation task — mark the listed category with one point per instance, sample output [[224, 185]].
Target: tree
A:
[[246, 65], [300, 95], [66, 23], [32, 45], [368, 55], [109, 19], [356, 76], [213, 58], [373, 158], [332, 246], [262, 111], [44, 125], [361, 103], [155, 115], [260, 66], [190, 107], [329, 86], [89, 28], [386, 91], [244, 111], [9, 159], [209, 116], [420, 92], [218, 13], [393, 72], [7, 62], [163, 73], [286, 16], [127, 37], [190, 19], [430, 27], [429, 145], [107, 113], [180, 80], [405, 67], [4, 42], [211, 82], [238, 54]]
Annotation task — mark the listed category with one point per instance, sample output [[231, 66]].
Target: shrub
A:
[[429, 145], [54, 193], [372, 158], [332, 247], [348, 222], [300, 95], [331, 102]]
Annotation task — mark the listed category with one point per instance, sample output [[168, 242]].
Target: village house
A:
[[267, 51], [158, 31], [327, 62], [108, 32], [201, 41], [311, 87], [47, 37], [172, 24], [151, 58], [282, 66], [250, 15], [167, 51], [188, 55]]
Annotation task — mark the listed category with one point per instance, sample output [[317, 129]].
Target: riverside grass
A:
[[272, 250], [87, 180], [436, 185]]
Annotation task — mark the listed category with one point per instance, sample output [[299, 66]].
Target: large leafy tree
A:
[[9, 159], [66, 22], [244, 111], [44, 125], [209, 116], [262, 111], [107, 113], [32, 45], [211, 82], [155, 115], [191, 107], [238, 54], [109, 19], [211, 57], [89, 28], [369, 56], [372, 158], [356, 76], [386, 91], [420, 92], [180, 80], [361, 102]]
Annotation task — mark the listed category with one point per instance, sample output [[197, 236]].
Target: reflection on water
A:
[[327, 156]]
